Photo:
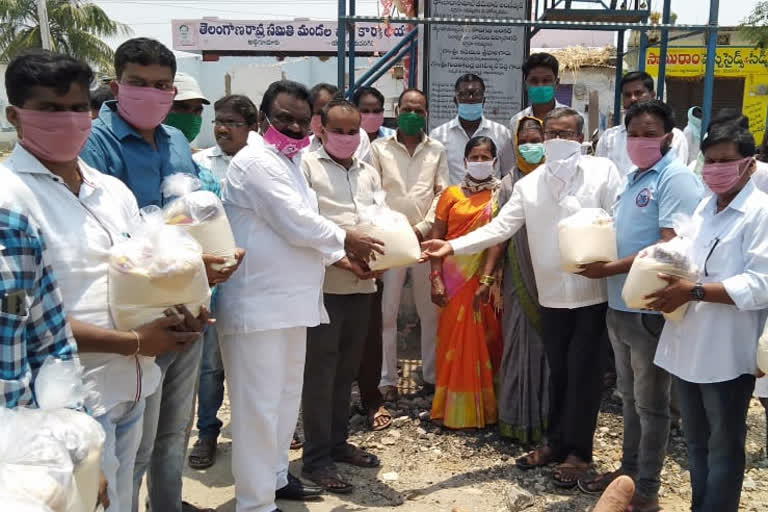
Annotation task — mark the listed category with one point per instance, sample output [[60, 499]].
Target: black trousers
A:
[[333, 358], [573, 343], [369, 374]]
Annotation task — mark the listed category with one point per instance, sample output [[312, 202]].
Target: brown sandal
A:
[[355, 456], [600, 483], [379, 419], [568, 474], [539, 457], [329, 479]]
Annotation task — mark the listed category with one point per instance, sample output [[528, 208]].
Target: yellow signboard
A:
[[691, 62]]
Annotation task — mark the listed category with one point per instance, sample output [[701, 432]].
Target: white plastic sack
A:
[[401, 247], [674, 257], [201, 214], [762, 350], [160, 267], [587, 236]]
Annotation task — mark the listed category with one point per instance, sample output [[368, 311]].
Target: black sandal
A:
[[203, 454], [329, 479]]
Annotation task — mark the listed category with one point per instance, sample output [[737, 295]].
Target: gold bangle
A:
[[487, 280], [138, 342]]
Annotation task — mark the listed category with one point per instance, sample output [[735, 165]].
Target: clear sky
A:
[[152, 18]]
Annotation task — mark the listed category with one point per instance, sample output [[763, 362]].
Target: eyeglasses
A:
[[228, 124], [470, 95], [559, 134]]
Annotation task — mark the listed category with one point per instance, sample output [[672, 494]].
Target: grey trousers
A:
[[334, 352], [645, 391]]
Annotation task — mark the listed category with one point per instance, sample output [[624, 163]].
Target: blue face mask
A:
[[540, 94], [470, 111]]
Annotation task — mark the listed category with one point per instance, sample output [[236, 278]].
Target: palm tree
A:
[[77, 29]]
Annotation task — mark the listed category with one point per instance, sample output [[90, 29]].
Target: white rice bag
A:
[[201, 214], [159, 267], [587, 236], [401, 247]]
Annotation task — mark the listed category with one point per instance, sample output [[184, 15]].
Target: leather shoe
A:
[[297, 490]]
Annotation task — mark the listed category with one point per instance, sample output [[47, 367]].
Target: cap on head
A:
[[187, 88]]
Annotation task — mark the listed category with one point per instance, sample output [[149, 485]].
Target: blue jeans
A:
[[122, 426], [210, 393], [715, 427], [164, 440]]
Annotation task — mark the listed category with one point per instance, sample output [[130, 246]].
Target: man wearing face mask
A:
[[187, 109], [540, 73], [572, 306], [470, 122], [658, 190], [264, 312], [370, 102], [344, 184], [129, 142], [414, 171], [322, 94], [636, 87], [692, 133], [82, 213]]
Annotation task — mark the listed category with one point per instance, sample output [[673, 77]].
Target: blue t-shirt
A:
[[115, 148], [649, 202]]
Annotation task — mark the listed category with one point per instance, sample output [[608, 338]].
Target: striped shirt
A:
[[36, 328]]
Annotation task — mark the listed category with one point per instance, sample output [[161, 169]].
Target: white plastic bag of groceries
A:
[[201, 214], [586, 236], [401, 247], [674, 257], [159, 267]]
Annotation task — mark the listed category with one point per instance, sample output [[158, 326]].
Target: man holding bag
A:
[[572, 307], [660, 188], [414, 171]]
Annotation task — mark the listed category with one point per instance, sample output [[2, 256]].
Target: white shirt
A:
[[215, 160], [613, 146], [595, 184], [760, 176], [453, 136], [363, 150], [718, 342], [274, 217], [79, 232]]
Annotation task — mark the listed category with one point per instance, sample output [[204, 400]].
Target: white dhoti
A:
[[264, 372], [428, 314]]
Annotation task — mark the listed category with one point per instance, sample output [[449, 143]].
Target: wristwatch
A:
[[697, 292]]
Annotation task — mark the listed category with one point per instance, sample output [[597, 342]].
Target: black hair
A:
[[145, 52], [289, 87], [468, 78], [480, 140], [541, 60], [335, 103], [732, 131], [44, 69], [411, 89], [637, 76], [239, 104], [655, 108], [730, 115], [332, 90], [100, 95], [697, 112], [560, 112], [362, 91]]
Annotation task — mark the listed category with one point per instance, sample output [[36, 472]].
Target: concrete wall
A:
[[586, 80]]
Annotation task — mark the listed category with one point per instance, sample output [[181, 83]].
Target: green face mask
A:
[[532, 153], [540, 94], [189, 124], [411, 123]]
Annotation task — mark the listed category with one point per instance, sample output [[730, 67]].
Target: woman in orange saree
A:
[[466, 288]]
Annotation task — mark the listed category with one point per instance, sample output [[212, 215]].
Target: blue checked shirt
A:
[[41, 330]]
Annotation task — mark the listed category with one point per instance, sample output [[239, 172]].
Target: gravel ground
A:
[[428, 469]]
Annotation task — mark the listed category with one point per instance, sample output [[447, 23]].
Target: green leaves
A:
[[77, 28], [755, 26]]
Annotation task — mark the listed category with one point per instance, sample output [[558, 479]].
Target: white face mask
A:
[[480, 171], [561, 149]]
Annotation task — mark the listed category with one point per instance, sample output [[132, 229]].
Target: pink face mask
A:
[[143, 107], [340, 145], [54, 136], [722, 176], [283, 143], [644, 151], [315, 124], [371, 122]]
